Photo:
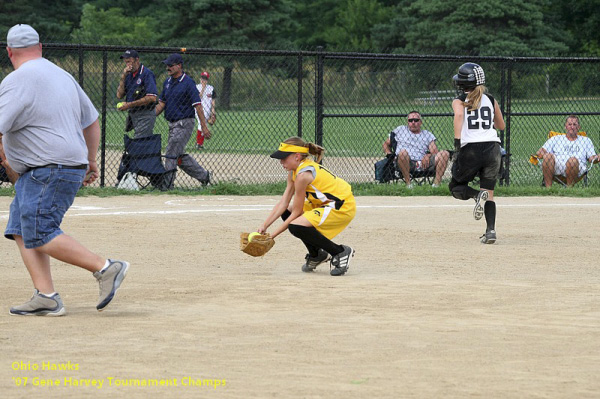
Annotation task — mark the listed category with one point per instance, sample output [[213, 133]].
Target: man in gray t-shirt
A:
[[416, 150], [50, 131]]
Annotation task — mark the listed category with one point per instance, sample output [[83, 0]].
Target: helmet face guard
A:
[[469, 76]]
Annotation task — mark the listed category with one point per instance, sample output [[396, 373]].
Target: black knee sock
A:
[[311, 237], [490, 215], [286, 214]]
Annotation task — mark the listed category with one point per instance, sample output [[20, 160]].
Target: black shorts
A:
[[478, 159]]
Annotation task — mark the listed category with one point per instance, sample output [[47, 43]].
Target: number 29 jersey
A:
[[478, 125]]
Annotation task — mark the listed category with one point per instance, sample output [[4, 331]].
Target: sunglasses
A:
[[414, 120]]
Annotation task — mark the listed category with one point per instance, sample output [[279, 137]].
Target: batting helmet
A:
[[469, 75]]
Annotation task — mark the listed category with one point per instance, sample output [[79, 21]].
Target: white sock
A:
[[48, 295], [106, 264]]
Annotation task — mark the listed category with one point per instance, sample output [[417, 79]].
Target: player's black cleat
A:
[[341, 262], [489, 237], [312, 263]]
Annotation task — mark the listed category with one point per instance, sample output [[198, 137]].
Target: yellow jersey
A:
[[326, 189]]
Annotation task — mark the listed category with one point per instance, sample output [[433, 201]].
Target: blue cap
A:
[[173, 59], [130, 54]]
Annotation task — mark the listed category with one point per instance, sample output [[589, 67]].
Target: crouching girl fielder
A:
[[323, 205]]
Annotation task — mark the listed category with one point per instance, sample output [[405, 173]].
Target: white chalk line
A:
[[230, 208]]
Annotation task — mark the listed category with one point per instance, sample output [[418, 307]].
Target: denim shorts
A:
[[42, 198]]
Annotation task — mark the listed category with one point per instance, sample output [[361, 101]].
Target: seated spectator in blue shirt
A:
[[180, 101], [138, 86]]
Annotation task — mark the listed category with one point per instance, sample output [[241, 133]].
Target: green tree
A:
[[353, 25], [340, 24], [248, 24], [54, 23], [581, 21], [494, 27], [112, 26], [245, 24], [314, 19]]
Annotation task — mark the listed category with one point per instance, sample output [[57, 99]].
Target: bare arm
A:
[[433, 149], [159, 107], [121, 88], [459, 117], [91, 134], [498, 119], [281, 205], [387, 149], [541, 152], [146, 100], [302, 181], [425, 162]]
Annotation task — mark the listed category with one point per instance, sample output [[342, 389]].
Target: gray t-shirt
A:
[[43, 112], [416, 145]]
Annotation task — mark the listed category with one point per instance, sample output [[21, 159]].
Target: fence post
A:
[[80, 65], [508, 117], [319, 98], [225, 101], [103, 125], [502, 104], [300, 95]]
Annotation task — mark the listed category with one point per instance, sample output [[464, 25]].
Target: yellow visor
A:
[[286, 149]]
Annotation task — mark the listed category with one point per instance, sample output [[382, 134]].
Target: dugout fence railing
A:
[[347, 102]]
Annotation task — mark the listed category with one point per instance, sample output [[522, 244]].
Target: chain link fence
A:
[[346, 102]]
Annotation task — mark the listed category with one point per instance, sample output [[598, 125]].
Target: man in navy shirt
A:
[[179, 99], [138, 86]]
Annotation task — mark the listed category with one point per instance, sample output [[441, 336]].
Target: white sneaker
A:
[[110, 280], [40, 305]]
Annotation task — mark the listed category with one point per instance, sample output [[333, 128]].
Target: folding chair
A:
[[142, 157], [537, 161]]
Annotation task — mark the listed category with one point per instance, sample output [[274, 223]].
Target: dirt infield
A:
[[426, 311]]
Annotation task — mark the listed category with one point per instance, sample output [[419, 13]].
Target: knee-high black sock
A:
[[312, 250], [311, 237], [490, 215]]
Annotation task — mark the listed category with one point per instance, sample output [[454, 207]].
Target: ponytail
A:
[[473, 100]]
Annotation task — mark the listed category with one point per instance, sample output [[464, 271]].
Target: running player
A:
[[476, 116], [323, 205]]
